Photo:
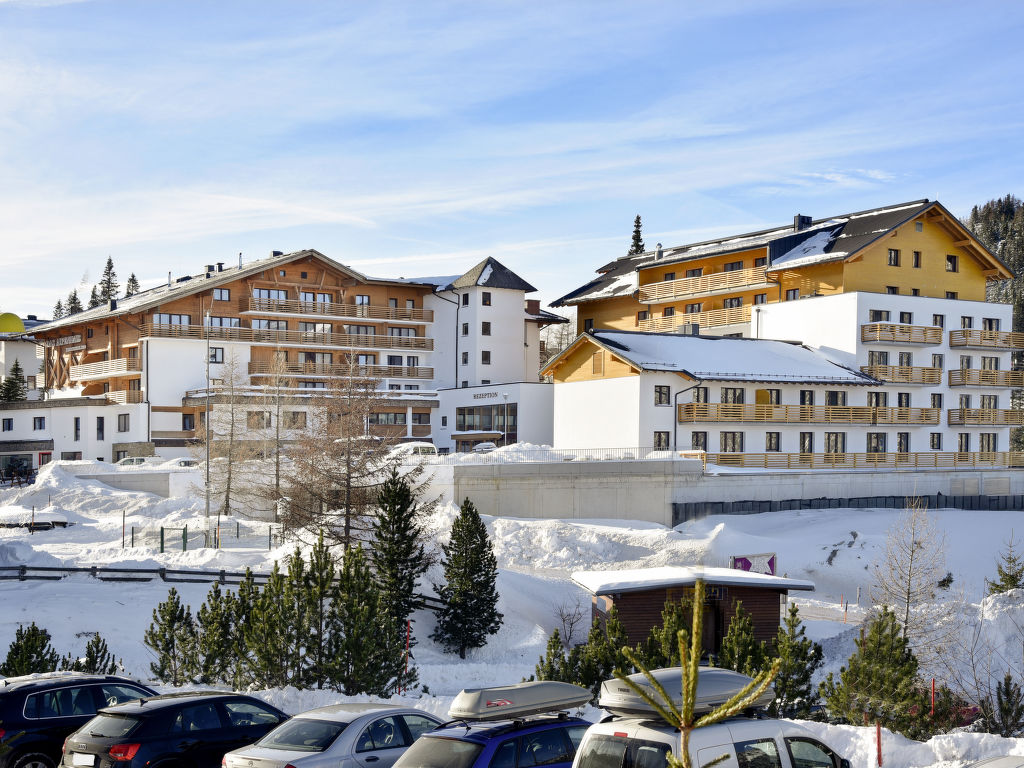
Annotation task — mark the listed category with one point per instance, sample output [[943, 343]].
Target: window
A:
[[421, 418], [268, 325], [907, 318], [280, 273], [88, 333], [465, 299], [892, 290], [878, 399], [393, 303], [951, 294], [806, 442], [295, 419], [642, 315], [410, 303], [936, 399], [806, 397], [963, 442], [465, 384], [412, 361], [409, 333], [989, 363], [485, 329], [485, 357], [307, 327], [768, 396], [162, 318], [835, 397], [732, 394], [938, 361], [965, 362], [918, 226], [465, 358], [990, 402], [915, 291], [730, 442], [188, 422], [731, 303], [99, 428], [733, 266], [230, 322], [760, 261], [772, 441], [465, 329], [70, 455], [902, 442], [760, 298], [695, 272], [216, 354], [876, 442], [691, 308], [661, 440], [444, 421], [662, 394], [78, 427], [699, 441], [485, 298], [394, 387], [966, 322], [588, 324], [669, 276], [951, 263], [257, 419], [917, 259], [987, 442], [906, 359], [894, 257], [668, 312], [965, 401], [360, 330], [597, 363], [394, 360], [315, 358], [990, 323], [935, 441], [123, 421], [270, 293], [939, 320], [200, 717], [835, 442], [792, 294], [8, 425], [38, 422], [809, 752], [307, 297], [362, 300], [700, 394], [878, 315], [902, 399], [222, 294]]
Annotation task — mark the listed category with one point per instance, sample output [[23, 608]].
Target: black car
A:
[[178, 730], [37, 712]]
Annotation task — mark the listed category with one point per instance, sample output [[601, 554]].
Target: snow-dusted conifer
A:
[[801, 656], [215, 647], [636, 247], [319, 589], [740, 650], [58, 310], [30, 652], [74, 304], [172, 637], [1006, 717], [132, 286], [1010, 571], [265, 634], [97, 660], [94, 297], [13, 388]]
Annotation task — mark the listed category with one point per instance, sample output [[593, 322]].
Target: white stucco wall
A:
[[598, 414]]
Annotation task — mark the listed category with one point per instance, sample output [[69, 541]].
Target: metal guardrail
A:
[[559, 455]]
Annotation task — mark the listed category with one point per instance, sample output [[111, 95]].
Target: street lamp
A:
[[505, 419]]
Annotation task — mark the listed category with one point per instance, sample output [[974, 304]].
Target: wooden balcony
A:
[[903, 374], [670, 290], [334, 309], [690, 413], [711, 318], [323, 370], [970, 337], [106, 369], [124, 396], [853, 461], [977, 377], [288, 338], [997, 417], [896, 333]]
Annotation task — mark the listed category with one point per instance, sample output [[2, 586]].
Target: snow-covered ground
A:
[[832, 548]]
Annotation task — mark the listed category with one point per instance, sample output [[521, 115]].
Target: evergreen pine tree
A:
[[740, 650], [794, 694], [13, 388], [74, 304], [240, 606], [58, 310], [1010, 569], [319, 588], [1007, 716], [636, 247], [172, 636], [215, 646], [597, 660], [661, 647], [97, 660], [94, 297], [132, 286], [266, 635], [30, 652], [109, 287], [879, 680], [470, 611], [552, 665], [295, 621]]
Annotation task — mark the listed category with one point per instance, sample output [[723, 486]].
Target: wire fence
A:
[[230, 534]]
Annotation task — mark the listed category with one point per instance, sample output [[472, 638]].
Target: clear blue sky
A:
[[417, 138]]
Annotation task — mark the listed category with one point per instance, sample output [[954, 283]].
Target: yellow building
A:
[[911, 249]]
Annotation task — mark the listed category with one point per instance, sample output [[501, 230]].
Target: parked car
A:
[[139, 461], [512, 726], [180, 730], [338, 736], [181, 461], [484, 447], [37, 712], [405, 451]]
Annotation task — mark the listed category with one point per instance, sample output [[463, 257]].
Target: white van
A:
[[140, 461], [635, 737]]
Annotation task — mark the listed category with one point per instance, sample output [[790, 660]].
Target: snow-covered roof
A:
[[726, 359], [608, 582]]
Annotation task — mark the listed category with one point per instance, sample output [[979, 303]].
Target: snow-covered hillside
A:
[[833, 548]]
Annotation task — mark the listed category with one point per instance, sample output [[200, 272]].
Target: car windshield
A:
[[439, 753], [111, 726], [303, 735]]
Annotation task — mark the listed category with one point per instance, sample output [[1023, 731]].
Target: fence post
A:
[[133, 537], [161, 539], [238, 529], [184, 538], [122, 527], [270, 538]]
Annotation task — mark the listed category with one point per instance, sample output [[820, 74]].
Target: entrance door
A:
[[44, 458]]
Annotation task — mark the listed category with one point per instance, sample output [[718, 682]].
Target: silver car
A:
[[338, 736]]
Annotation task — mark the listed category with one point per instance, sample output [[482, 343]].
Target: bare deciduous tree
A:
[[571, 615]]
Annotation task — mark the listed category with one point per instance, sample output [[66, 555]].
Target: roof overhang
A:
[[640, 580]]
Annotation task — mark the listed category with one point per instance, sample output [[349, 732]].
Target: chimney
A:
[[239, 259], [168, 278], [113, 304], [533, 306], [801, 222], [32, 317], [220, 266], [209, 268], [274, 254], [658, 253]]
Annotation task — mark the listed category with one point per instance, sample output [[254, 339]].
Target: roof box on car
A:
[[507, 702], [714, 687]]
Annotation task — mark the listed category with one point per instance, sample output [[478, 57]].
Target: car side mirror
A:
[[844, 763]]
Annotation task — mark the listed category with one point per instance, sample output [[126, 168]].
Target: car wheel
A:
[[33, 760]]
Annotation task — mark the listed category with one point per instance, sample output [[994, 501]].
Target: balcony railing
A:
[[335, 309], [805, 414], [998, 417], [314, 370], [173, 434], [105, 369], [848, 461], [903, 374], [690, 286], [712, 317], [970, 337], [901, 334], [981, 377], [308, 338], [124, 396]]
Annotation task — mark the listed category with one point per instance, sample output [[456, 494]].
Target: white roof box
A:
[[714, 687], [507, 702]]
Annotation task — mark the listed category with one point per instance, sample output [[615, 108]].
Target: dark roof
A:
[[491, 273]]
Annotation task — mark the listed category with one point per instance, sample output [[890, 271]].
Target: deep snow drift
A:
[[832, 548]]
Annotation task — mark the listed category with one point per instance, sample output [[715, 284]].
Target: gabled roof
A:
[[718, 358], [612, 582], [491, 273], [830, 239]]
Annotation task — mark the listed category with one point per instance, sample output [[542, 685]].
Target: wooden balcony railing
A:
[[970, 337], [998, 417], [806, 414], [959, 377], [901, 334], [691, 286], [124, 396], [903, 374], [105, 369], [399, 430], [335, 309], [712, 317], [305, 338], [847, 461], [314, 370]]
